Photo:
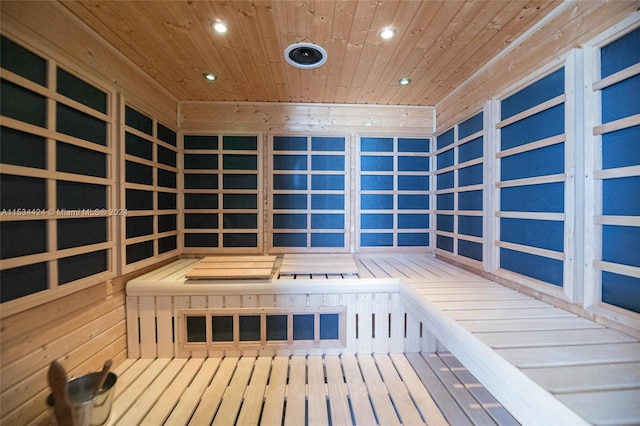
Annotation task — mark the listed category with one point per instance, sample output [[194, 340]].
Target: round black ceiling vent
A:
[[305, 55]]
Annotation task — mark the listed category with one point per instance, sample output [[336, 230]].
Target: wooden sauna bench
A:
[[544, 364]]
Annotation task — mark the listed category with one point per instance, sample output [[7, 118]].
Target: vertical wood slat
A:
[[164, 323], [365, 326], [148, 346], [133, 331]]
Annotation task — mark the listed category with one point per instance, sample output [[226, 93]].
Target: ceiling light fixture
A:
[[305, 55], [387, 33], [219, 26], [209, 76], [404, 81]]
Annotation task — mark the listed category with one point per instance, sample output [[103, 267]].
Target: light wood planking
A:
[[606, 408], [338, 264], [587, 378]]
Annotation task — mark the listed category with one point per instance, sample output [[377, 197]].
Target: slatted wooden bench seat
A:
[[544, 364]]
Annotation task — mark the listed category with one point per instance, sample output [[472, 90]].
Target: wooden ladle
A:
[[60, 390], [103, 377]]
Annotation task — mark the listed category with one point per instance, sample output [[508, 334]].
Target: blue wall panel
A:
[[621, 196], [470, 126], [621, 148], [470, 249], [620, 54], [621, 244], [531, 265], [538, 162], [376, 240], [621, 290], [545, 124], [418, 239], [545, 234], [376, 144], [471, 150], [547, 197], [540, 91]]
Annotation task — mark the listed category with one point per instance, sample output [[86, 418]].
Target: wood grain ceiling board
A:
[[439, 45]]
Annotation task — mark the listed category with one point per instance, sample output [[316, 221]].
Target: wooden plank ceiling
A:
[[438, 45]]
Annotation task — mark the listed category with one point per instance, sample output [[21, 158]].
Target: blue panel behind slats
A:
[[376, 145], [298, 182], [327, 240], [376, 240], [544, 124], [239, 201], [470, 150], [539, 162], [621, 244], [444, 223], [470, 200], [621, 290], [414, 239], [445, 201], [444, 159], [531, 265], [470, 126], [621, 148], [376, 221], [470, 225], [409, 221], [327, 182], [239, 143], [289, 240], [544, 234], [542, 90], [413, 183], [376, 202], [373, 163], [290, 143], [409, 201], [290, 221], [621, 196], [327, 221], [470, 249], [547, 197], [413, 145], [444, 180], [445, 139], [621, 99], [620, 54], [239, 181], [413, 164], [327, 201], [471, 175], [327, 144], [444, 243], [290, 162], [290, 201], [379, 182], [327, 162]]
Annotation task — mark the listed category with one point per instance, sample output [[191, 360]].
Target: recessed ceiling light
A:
[[209, 76], [404, 81], [387, 33], [220, 26]]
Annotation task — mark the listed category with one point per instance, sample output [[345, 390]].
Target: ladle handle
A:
[[103, 376]]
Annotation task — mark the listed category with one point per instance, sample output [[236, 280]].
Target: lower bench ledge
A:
[[527, 401]]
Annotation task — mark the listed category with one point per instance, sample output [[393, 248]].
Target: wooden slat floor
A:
[[336, 390], [592, 369]]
